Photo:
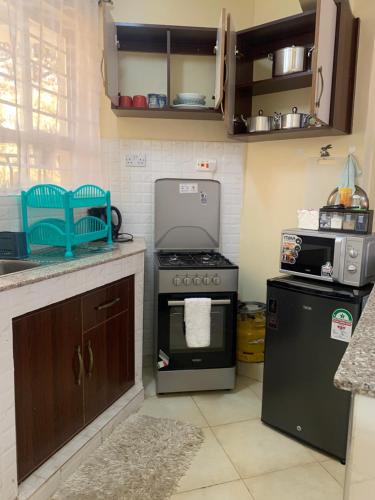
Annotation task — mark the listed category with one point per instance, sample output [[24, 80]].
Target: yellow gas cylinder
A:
[[251, 327]]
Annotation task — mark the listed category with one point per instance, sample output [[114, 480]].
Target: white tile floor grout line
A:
[[273, 471], [337, 481], [200, 411], [247, 488]]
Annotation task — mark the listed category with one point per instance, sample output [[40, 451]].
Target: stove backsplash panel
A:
[[132, 191]]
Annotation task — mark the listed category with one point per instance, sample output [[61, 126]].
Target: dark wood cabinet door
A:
[[109, 358], [48, 381]]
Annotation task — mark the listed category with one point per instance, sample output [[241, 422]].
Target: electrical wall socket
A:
[[135, 160]]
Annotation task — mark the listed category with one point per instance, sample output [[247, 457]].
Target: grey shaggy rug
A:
[[143, 459]]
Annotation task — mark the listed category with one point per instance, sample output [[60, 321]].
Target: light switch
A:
[[206, 165]]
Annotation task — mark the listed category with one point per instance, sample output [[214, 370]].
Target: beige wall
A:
[[174, 12], [283, 176]]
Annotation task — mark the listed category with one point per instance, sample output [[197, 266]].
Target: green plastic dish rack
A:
[[65, 232]]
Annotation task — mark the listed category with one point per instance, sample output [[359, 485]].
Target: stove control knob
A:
[[353, 253], [216, 280], [197, 280], [177, 281], [206, 280], [352, 268], [187, 281]]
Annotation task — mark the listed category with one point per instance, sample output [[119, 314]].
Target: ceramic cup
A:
[[153, 101], [139, 101], [162, 98], [125, 101]]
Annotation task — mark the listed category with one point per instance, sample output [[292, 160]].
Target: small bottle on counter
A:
[[345, 196]]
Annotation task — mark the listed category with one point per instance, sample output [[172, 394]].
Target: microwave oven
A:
[[337, 257]]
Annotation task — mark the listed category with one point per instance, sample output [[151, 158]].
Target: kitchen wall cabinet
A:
[[325, 89], [142, 59], [72, 360]]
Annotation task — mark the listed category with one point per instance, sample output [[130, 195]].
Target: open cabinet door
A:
[[220, 51], [110, 56], [323, 56], [230, 75]]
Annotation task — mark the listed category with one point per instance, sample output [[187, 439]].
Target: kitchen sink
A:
[[15, 266]]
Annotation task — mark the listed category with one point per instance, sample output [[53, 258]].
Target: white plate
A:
[[189, 106]]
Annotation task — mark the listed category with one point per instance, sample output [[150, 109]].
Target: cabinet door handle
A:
[[108, 304], [80, 361], [320, 73], [91, 359]]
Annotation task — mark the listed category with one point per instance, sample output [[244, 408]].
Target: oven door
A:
[[311, 256], [171, 332]]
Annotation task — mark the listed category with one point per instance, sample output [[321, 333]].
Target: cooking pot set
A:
[[285, 61], [261, 123]]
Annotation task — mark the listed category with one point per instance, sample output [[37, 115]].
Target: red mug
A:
[[139, 101], [125, 101]]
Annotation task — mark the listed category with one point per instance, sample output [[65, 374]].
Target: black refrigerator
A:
[[308, 327]]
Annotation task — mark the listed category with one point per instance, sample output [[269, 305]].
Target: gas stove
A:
[[187, 265], [191, 260]]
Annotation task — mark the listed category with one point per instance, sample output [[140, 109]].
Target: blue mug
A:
[[162, 98], [153, 100]]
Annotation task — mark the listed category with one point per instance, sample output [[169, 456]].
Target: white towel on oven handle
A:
[[197, 322]]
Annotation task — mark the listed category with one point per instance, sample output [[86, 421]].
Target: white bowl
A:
[[190, 96]]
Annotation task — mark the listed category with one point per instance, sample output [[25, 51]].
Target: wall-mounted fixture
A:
[[324, 151], [326, 158]]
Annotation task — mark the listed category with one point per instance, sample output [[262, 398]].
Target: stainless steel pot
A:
[[259, 123], [288, 60], [294, 119]]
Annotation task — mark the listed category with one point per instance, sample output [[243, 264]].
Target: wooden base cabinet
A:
[[107, 374], [72, 360]]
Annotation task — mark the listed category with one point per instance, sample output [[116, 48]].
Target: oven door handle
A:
[[218, 302]]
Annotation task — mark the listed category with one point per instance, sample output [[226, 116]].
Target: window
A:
[[49, 93]]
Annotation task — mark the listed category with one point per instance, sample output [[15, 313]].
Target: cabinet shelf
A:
[[278, 83], [295, 133], [183, 114]]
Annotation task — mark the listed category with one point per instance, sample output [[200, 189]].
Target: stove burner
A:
[[192, 260]]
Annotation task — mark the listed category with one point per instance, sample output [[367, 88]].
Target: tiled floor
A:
[[242, 459]]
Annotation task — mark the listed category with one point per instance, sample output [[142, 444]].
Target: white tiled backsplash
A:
[[132, 190]]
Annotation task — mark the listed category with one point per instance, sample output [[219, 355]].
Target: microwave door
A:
[[309, 256]]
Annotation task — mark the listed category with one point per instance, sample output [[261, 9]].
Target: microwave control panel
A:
[[353, 260]]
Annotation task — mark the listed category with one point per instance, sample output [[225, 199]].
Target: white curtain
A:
[[49, 93]]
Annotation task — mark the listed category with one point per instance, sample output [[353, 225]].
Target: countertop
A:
[[54, 264], [356, 372]]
